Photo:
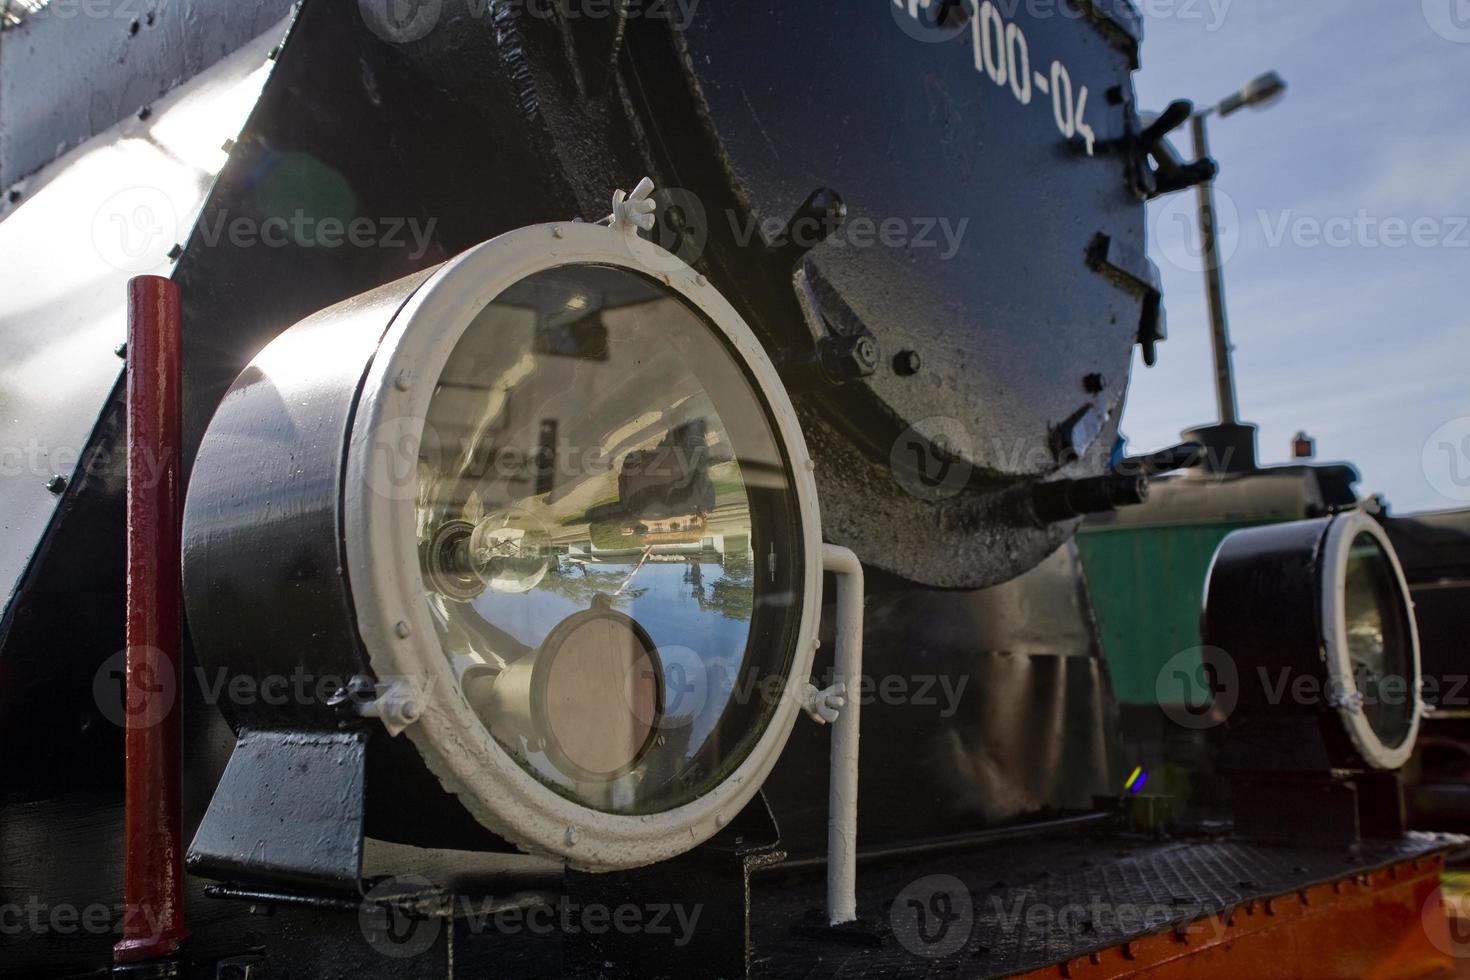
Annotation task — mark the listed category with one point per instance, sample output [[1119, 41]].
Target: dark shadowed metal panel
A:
[[980, 709]]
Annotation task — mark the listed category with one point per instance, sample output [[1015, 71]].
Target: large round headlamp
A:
[[1309, 631], [556, 503]]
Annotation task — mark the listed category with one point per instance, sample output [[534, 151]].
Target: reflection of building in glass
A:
[[669, 482], [709, 549], [674, 530]]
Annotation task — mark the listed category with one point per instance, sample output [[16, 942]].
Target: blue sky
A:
[[1364, 345]]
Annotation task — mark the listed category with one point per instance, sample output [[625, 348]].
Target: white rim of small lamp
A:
[[1336, 550]]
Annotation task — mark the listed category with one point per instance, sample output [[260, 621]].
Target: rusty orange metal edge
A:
[[1377, 925]]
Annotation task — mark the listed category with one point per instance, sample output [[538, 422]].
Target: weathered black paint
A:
[[494, 121]]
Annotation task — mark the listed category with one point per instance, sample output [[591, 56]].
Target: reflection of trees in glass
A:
[[732, 595], [608, 535], [581, 584], [694, 575], [732, 599], [737, 557]]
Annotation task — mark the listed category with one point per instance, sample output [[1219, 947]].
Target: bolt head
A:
[[907, 363], [56, 484]]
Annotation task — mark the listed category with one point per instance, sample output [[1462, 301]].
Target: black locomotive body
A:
[[925, 221]]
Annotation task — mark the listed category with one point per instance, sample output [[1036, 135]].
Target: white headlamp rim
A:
[[386, 581]]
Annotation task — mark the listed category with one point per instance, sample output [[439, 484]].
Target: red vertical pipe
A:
[[153, 910]]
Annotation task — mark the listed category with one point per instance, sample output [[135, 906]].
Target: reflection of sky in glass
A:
[[661, 599]]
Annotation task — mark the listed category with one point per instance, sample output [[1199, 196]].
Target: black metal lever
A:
[[1169, 120], [1172, 173]]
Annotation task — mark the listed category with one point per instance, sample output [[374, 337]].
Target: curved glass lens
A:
[[1379, 644], [608, 539]]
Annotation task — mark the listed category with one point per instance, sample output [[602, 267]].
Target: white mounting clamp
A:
[[824, 706], [394, 704], [1352, 703], [633, 212]]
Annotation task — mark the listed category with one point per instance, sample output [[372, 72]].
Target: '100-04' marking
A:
[[1003, 54]]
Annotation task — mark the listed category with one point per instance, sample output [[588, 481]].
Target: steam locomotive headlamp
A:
[[552, 497], [1312, 622]]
